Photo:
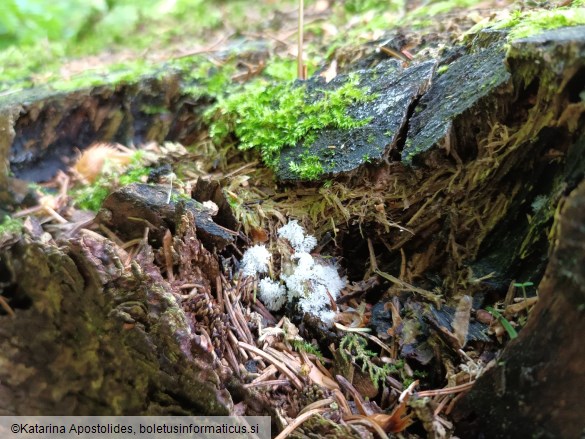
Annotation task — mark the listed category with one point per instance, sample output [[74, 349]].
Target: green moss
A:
[[530, 23], [285, 69], [208, 79], [268, 117], [309, 168], [153, 110], [442, 69], [305, 346], [525, 24], [177, 197], [361, 6], [353, 349], [10, 225], [91, 197], [430, 9]]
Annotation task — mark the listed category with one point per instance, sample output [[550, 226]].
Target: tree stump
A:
[[93, 337], [536, 388]]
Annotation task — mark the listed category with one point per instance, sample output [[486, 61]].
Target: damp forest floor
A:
[[404, 344]]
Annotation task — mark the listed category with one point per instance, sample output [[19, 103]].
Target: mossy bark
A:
[[91, 337], [49, 127], [6, 138], [536, 388]]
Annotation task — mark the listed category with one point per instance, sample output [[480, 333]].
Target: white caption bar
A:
[[122, 427]]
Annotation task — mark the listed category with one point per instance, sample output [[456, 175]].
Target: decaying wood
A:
[[94, 335], [132, 208], [42, 129], [536, 387], [138, 333]]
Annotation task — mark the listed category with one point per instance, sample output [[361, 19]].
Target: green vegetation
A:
[[37, 37], [353, 349], [503, 321], [309, 168], [268, 117], [442, 69], [91, 197], [10, 225], [430, 9], [525, 24], [305, 346], [360, 6], [523, 286]]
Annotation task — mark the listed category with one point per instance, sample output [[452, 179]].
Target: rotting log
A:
[[136, 206], [42, 130], [94, 336], [494, 166], [536, 387]]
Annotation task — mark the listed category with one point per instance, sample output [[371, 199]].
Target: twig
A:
[[268, 383], [373, 262], [277, 363], [342, 401], [6, 307], [357, 398], [317, 405], [219, 293], [233, 318], [406, 393], [300, 65], [168, 254], [347, 329], [297, 422], [235, 341], [231, 358], [111, 235], [446, 391], [378, 342], [405, 286], [270, 370], [364, 420]]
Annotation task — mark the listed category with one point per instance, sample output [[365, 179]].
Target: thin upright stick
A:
[[300, 66]]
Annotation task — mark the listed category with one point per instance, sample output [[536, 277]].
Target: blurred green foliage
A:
[[28, 22], [38, 36]]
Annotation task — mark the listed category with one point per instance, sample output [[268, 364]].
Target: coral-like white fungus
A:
[[272, 293], [313, 283], [255, 260], [295, 234], [314, 287]]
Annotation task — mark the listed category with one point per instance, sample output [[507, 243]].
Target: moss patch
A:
[[10, 225], [523, 24], [268, 117], [530, 23], [91, 197]]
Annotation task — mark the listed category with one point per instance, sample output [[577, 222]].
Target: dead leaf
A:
[[460, 322], [330, 72], [396, 421]]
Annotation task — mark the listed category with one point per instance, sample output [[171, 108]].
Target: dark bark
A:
[[536, 388], [42, 129]]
